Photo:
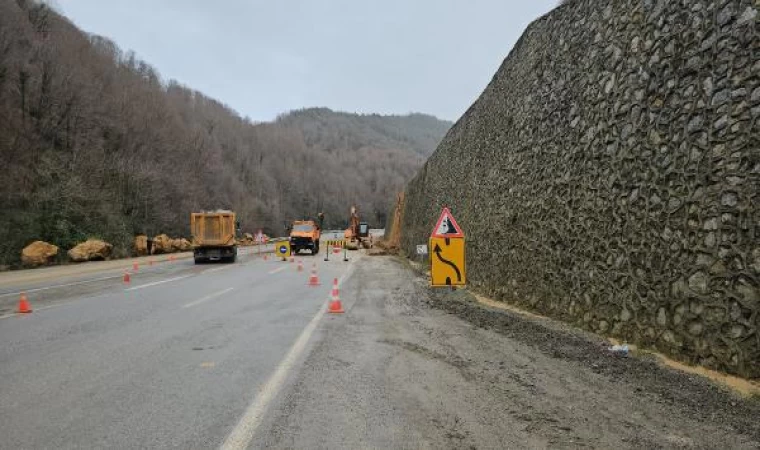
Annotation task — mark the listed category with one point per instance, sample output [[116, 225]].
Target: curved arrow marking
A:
[[437, 252]]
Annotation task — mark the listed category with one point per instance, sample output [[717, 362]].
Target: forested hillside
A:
[[94, 143]]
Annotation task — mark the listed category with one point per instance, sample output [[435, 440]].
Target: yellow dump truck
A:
[[214, 236]]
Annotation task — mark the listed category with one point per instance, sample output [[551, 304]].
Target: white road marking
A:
[[206, 298], [41, 308], [242, 435], [217, 269], [156, 283], [77, 283], [272, 272]]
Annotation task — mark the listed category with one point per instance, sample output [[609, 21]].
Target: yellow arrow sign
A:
[[447, 262]]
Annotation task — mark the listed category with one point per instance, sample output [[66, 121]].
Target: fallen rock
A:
[[181, 245], [162, 244], [141, 245], [90, 250], [38, 253]]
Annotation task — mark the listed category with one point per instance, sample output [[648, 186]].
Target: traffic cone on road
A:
[[300, 265], [292, 259], [266, 257], [135, 266], [336, 250], [335, 306], [23, 304], [313, 278], [150, 262], [127, 278]]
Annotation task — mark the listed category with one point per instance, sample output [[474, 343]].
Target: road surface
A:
[[244, 356]]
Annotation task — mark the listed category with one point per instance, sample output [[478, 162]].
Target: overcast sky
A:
[[264, 58]]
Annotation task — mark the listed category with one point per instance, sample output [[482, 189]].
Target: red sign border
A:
[[444, 213]]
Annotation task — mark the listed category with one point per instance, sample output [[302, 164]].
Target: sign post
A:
[[259, 240], [447, 253]]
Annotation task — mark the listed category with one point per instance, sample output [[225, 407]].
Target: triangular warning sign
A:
[[447, 226]]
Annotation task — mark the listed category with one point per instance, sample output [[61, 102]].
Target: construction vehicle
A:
[[214, 236], [357, 233], [305, 234]]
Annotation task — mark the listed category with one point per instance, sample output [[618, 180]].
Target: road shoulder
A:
[[409, 368]]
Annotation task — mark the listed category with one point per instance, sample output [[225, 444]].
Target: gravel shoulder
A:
[[407, 367]]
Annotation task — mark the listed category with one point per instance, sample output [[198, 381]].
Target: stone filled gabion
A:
[[609, 176]]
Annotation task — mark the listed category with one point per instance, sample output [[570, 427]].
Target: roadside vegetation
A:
[[95, 144]]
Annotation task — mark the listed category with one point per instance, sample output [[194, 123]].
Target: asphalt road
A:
[[172, 360], [243, 355]]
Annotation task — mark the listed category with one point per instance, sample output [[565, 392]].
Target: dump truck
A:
[[305, 234], [214, 236], [357, 233]]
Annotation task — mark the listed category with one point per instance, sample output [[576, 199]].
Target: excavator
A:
[[357, 233]]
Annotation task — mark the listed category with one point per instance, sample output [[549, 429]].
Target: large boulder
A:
[[38, 253], [141, 245], [181, 245], [162, 244], [90, 250]]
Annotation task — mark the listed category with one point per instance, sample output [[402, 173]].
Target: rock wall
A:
[[609, 176]]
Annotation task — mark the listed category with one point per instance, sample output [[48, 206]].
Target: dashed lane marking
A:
[[218, 269], [41, 308], [272, 272], [76, 283], [207, 298], [155, 283]]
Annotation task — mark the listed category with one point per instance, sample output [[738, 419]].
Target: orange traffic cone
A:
[[300, 265], [336, 250], [335, 306], [150, 262], [313, 278], [292, 259], [135, 266], [23, 304], [266, 257], [172, 258], [127, 278]]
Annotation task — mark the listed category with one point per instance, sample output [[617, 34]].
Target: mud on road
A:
[[407, 367]]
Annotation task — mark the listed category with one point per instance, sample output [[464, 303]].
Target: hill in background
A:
[[93, 143]]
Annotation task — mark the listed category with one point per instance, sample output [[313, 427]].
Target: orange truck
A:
[[214, 236], [305, 234]]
